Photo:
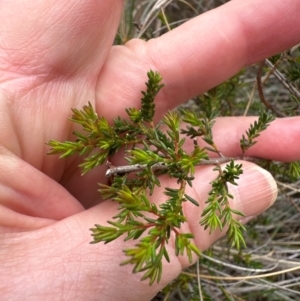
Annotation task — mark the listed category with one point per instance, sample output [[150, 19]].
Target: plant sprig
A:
[[255, 129], [150, 153]]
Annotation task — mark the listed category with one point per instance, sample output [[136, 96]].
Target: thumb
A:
[[60, 255], [256, 191]]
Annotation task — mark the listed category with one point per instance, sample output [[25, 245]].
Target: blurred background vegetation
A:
[[269, 268]]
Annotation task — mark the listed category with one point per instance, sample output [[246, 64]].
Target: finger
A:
[[213, 47], [29, 199], [198, 55], [65, 265], [278, 142], [94, 271]]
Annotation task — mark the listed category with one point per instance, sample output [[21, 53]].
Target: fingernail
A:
[[256, 191]]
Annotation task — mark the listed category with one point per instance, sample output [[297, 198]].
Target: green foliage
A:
[[99, 135], [218, 213], [286, 172], [293, 71], [150, 153], [147, 110], [254, 131], [294, 170]]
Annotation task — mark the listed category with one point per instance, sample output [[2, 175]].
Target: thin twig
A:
[[152, 15], [243, 277], [125, 169], [165, 19], [199, 281], [283, 80], [236, 267], [261, 93], [249, 102]]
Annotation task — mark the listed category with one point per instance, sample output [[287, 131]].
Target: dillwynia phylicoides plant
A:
[[150, 153]]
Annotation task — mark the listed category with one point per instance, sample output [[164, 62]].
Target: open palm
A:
[[55, 55]]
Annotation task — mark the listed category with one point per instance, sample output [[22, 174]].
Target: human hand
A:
[[57, 55]]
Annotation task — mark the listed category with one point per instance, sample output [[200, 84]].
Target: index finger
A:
[[207, 50], [199, 54]]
